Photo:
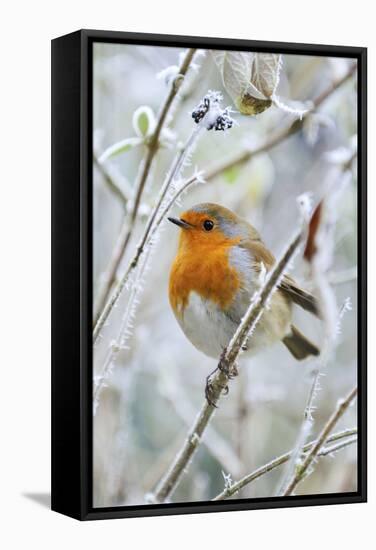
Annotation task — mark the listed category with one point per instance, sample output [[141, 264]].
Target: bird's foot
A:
[[209, 390], [212, 392], [234, 371], [229, 371]]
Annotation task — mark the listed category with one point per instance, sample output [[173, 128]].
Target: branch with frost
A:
[[223, 374], [247, 154], [120, 343], [152, 148], [332, 449], [242, 412], [342, 158], [144, 239], [304, 432], [119, 187], [217, 446], [303, 470], [308, 418], [132, 281], [319, 255], [345, 438], [111, 181], [208, 116]]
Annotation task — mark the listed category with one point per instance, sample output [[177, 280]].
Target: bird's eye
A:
[[208, 225]]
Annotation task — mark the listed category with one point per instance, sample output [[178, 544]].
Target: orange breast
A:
[[204, 269]]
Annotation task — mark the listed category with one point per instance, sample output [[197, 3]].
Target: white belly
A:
[[210, 330], [206, 326]]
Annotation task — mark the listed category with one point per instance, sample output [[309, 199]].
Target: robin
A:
[[214, 276]]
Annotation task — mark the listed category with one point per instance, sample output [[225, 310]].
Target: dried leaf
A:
[[314, 224], [236, 70], [252, 106], [265, 73], [249, 78]]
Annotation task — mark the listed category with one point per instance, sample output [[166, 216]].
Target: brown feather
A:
[[298, 345], [289, 287], [299, 296]]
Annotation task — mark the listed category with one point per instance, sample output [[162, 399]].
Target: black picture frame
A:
[[72, 285]]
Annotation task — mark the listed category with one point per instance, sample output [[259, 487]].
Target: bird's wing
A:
[[299, 296], [260, 254]]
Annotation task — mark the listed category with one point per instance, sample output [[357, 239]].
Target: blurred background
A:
[[156, 387]]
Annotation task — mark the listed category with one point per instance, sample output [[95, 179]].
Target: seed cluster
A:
[[215, 118], [222, 122], [201, 110]]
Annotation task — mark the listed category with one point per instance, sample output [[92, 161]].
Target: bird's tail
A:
[[298, 345]]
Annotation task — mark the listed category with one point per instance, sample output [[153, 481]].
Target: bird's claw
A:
[[230, 374], [209, 391]]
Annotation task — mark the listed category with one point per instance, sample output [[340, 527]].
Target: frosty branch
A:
[[303, 468], [152, 148], [153, 223], [211, 117], [345, 438], [319, 255], [110, 181], [304, 431], [280, 136], [217, 446]]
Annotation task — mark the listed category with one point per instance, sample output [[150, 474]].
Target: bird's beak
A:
[[181, 223]]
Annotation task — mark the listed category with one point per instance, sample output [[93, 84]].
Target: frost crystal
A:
[[305, 205], [346, 306], [262, 274], [168, 74], [228, 480]]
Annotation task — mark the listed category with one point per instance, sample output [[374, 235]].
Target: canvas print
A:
[[225, 286]]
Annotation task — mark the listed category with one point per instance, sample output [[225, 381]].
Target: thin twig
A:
[[301, 471], [155, 219], [256, 474], [166, 199], [217, 446], [241, 414], [290, 130], [328, 451], [348, 163], [120, 343], [224, 371], [128, 225], [319, 254], [304, 432], [108, 176]]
